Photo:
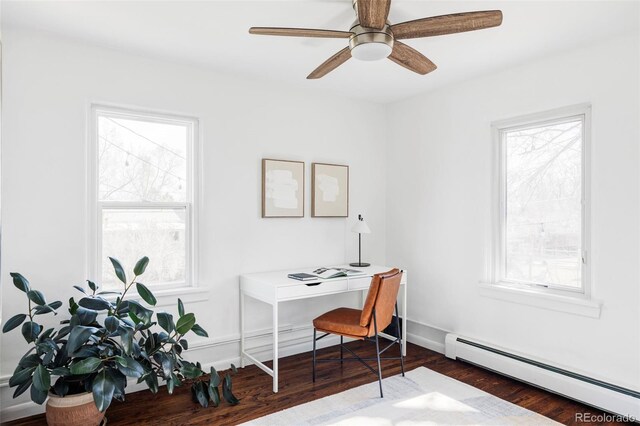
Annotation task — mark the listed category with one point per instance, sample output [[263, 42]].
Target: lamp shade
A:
[[361, 227], [371, 51]]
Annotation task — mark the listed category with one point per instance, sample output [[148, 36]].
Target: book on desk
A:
[[302, 276], [325, 274]]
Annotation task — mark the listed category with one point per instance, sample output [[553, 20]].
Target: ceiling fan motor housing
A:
[[370, 44]]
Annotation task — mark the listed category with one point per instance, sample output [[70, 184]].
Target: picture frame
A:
[[282, 188], [330, 190]]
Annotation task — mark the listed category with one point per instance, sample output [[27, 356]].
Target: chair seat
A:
[[342, 321]]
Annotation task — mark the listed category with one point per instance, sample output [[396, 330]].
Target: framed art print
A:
[[330, 190], [282, 188]]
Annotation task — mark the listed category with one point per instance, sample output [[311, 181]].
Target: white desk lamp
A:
[[360, 228]]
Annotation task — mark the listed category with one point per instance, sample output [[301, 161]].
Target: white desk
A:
[[275, 287]]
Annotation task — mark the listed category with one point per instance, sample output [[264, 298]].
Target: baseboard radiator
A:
[[605, 396]]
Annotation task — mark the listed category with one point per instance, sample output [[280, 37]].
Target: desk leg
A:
[[275, 346], [404, 321], [242, 329]]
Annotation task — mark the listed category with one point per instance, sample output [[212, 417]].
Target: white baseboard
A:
[[18, 411], [219, 353], [425, 343], [425, 335], [546, 375], [222, 352]]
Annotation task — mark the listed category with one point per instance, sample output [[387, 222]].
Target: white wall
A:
[[50, 83], [432, 153], [438, 207]]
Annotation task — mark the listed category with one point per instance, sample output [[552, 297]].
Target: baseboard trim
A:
[[425, 343], [294, 339], [18, 411], [234, 339], [426, 335], [584, 388]]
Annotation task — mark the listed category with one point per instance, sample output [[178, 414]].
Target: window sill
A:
[[530, 297], [169, 297]]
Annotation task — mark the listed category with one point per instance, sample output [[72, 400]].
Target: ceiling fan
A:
[[372, 37]]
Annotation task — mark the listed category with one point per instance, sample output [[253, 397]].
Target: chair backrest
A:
[[382, 296]]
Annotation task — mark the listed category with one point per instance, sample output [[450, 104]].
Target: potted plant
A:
[[85, 363]]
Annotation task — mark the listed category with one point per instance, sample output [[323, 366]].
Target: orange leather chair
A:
[[364, 324]]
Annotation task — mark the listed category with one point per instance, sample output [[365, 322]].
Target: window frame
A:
[[497, 263], [96, 207]]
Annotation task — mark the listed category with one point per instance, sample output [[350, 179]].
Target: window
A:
[[542, 238], [144, 185]]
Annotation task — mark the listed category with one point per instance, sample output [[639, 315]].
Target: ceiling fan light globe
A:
[[371, 51], [370, 44]]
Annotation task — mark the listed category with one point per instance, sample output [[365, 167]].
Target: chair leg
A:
[[314, 354], [341, 350], [399, 340], [375, 327]]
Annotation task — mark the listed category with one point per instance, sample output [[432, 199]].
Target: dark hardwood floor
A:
[[253, 387]]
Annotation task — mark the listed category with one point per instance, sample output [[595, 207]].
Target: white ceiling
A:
[[214, 34]]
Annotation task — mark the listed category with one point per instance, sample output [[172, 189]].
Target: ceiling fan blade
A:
[[447, 24], [373, 13], [411, 59], [330, 64], [299, 32]]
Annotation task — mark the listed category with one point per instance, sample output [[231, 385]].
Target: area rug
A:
[[422, 397]]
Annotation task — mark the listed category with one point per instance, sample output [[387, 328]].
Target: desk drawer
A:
[[300, 291], [361, 283]]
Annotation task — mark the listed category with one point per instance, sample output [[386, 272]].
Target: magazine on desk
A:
[[326, 273]]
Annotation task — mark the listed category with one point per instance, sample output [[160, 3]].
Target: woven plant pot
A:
[[73, 410]]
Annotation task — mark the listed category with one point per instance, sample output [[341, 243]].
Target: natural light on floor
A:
[[433, 401]]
